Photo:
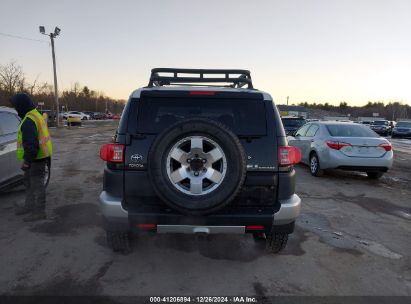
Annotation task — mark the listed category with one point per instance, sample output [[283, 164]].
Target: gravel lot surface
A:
[[352, 238]]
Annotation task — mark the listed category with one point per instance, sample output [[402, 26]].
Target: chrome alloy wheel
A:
[[314, 164], [196, 165]]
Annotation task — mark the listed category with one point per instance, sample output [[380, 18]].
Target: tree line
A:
[[77, 98], [392, 110]]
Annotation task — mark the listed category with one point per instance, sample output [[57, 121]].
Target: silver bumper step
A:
[[189, 229]]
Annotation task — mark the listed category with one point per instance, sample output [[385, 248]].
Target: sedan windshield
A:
[[403, 124], [350, 130], [380, 123]]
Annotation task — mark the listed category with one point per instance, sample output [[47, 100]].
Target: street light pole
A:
[[56, 97]]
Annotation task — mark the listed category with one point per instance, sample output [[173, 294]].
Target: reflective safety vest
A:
[[45, 147]]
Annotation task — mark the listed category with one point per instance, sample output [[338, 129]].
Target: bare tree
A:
[[11, 78]]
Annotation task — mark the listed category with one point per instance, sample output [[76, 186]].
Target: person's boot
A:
[[36, 216], [20, 210]]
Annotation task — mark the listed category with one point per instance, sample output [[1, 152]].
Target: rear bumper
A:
[[117, 218], [192, 229], [334, 159]]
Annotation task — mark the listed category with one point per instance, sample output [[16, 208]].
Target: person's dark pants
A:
[[35, 190]]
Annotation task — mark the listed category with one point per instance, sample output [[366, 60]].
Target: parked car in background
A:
[[75, 114], [402, 129], [10, 171], [340, 145], [381, 127], [89, 113], [292, 124], [116, 116], [99, 115], [365, 122]]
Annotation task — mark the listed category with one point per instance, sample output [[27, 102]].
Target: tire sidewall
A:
[[219, 197], [314, 156]]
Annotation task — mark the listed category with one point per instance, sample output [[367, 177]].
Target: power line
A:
[[22, 38]]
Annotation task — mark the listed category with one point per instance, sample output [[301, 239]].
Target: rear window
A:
[[293, 122], [403, 124], [243, 117], [352, 130]]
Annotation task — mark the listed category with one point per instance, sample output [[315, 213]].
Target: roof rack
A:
[[235, 78]]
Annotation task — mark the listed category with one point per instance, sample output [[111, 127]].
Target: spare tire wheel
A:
[[197, 166]]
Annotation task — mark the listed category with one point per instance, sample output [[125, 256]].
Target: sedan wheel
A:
[[315, 165]]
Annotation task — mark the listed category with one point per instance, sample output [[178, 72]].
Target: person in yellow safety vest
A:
[[34, 149]]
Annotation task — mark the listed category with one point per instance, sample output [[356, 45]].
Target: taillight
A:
[[202, 93], [113, 153], [288, 156], [254, 227], [336, 145], [387, 147], [147, 226]]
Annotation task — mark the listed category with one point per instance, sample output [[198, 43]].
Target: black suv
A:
[[193, 157]]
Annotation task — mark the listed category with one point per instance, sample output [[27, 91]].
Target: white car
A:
[[80, 115]]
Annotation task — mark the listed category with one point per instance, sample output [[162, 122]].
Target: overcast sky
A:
[[310, 50]]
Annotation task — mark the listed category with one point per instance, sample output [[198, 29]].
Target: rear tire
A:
[[375, 175], [119, 241], [315, 165], [276, 241]]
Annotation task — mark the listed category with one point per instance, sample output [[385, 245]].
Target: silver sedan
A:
[[343, 145]]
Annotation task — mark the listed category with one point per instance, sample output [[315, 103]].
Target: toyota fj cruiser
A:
[[190, 156]]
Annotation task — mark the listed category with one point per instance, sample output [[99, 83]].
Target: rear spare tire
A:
[[197, 166]]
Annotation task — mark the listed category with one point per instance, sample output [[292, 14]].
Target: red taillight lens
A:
[[113, 153], [254, 227], [202, 93], [288, 156], [387, 147], [336, 145], [146, 226]]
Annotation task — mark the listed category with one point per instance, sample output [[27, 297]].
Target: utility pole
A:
[[287, 99], [56, 97]]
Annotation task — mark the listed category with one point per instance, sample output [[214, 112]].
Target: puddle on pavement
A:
[[342, 241], [371, 204], [376, 205], [96, 179], [69, 218]]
